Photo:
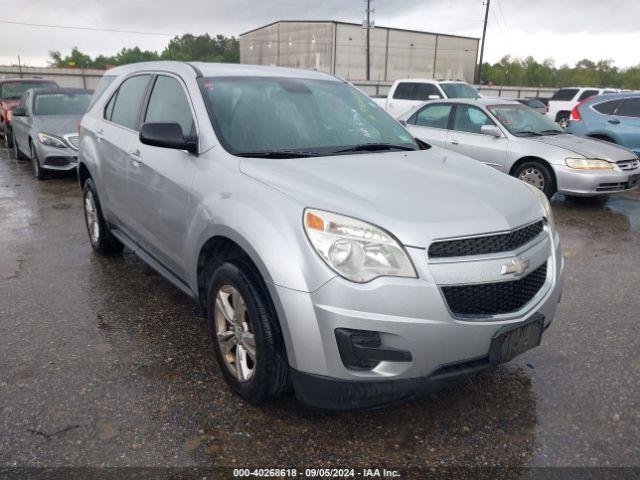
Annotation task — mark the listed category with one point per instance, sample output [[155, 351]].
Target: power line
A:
[[95, 29]]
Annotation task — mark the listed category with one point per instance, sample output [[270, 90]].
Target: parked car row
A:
[[519, 141]]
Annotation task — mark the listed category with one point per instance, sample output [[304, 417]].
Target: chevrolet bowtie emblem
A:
[[517, 267]]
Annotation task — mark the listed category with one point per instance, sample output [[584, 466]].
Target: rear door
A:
[[117, 144], [465, 137], [160, 178], [430, 123]]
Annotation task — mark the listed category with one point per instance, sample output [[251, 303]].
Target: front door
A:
[[465, 137], [22, 124], [160, 179]]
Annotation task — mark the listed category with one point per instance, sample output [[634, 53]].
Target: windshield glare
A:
[[459, 90], [61, 103], [270, 114], [17, 89], [521, 120]]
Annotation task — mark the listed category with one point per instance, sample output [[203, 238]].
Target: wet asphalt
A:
[[104, 363]]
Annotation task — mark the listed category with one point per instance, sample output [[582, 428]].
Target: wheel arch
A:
[[83, 174], [561, 113]]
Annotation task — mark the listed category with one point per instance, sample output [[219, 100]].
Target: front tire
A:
[[539, 175], [16, 149], [102, 240], [38, 172], [8, 137], [245, 334]]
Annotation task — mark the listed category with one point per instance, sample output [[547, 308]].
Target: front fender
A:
[[265, 223]]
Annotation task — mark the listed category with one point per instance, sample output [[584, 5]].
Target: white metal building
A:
[[339, 48]]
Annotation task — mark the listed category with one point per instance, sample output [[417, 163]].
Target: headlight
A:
[[356, 250], [588, 164], [545, 204], [51, 140]]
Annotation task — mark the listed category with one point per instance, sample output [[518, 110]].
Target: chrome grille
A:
[[73, 141], [628, 164]]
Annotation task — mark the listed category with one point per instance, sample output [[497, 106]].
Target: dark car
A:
[[535, 103], [11, 90]]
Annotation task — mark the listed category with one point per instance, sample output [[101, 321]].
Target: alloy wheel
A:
[[234, 333], [533, 176], [91, 217]]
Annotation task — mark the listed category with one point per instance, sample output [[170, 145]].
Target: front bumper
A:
[[55, 158], [589, 183], [410, 315]]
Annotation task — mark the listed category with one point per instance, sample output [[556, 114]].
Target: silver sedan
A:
[[45, 128], [519, 141]]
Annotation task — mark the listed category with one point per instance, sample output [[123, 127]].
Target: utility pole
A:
[[484, 34], [368, 24]]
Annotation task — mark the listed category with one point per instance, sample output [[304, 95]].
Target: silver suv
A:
[[329, 250]]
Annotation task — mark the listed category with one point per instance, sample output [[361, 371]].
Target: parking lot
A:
[[105, 363]]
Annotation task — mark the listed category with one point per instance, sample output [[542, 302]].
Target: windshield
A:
[[16, 89], [61, 103], [524, 121], [459, 90], [317, 117]]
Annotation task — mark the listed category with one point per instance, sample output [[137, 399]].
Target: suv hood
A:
[[417, 196], [587, 147]]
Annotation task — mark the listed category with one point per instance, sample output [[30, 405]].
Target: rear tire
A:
[[254, 362], [102, 240], [539, 175], [563, 119]]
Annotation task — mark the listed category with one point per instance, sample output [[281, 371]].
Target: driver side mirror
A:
[[19, 112], [403, 122], [167, 135], [491, 130]]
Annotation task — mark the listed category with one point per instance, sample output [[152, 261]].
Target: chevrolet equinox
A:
[[330, 252]]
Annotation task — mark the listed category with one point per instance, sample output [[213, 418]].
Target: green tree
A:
[[204, 48]]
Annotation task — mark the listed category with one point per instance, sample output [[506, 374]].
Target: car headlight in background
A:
[[542, 198], [356, 250], [588, 164], [51, 140]]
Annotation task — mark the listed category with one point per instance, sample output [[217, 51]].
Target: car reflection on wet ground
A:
[[105, 363]]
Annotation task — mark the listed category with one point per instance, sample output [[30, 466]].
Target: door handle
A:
[[614, 121], [99, 135], [454, 142], [135, 157]]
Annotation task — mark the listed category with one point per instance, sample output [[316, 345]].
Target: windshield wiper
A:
[[529, 133], [552, 131], [277, 154], [375, 147]]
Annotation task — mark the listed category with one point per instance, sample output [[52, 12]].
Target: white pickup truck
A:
[[408, 93]]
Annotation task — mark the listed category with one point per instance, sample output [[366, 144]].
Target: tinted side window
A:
[[565, 94], [129, 100], [423, 90], [405, 91], [434, 116], [108, 110], [630, 107], [169, 103], [587, 93], [607, 108], [470, 119]]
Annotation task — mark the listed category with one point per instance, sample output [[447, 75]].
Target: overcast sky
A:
[[565, 30]]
